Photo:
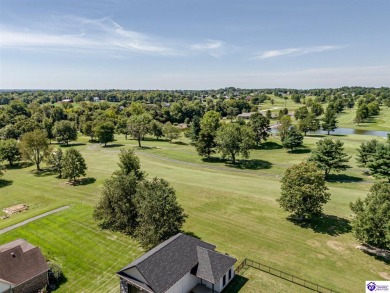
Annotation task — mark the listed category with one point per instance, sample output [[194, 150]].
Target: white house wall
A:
[[5, 287], [185, 284], [219, 285]]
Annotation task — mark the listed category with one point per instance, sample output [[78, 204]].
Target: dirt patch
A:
[[320, 256], [313, 243], [335, 245], [385, 275]]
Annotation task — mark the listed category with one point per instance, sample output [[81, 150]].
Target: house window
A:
[[230, 274], [224, 281]]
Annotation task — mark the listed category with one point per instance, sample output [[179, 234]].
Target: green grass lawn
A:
[[234, 208]]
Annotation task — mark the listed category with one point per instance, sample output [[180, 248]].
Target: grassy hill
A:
[[233, 207]]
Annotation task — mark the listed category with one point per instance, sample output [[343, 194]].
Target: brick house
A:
[[23, 268]]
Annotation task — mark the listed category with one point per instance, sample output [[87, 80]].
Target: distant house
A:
[[96, 99], [67, 101], [23, 269], [180, 264]]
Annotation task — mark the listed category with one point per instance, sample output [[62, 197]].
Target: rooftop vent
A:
[[13, 254]]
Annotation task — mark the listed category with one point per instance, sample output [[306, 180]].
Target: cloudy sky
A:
[[193, 44]]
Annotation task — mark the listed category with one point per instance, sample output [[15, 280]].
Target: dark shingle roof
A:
[[21, 261], [213, 265], [165, 264]]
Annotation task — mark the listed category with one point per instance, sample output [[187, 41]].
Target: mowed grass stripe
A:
[[89, 257]]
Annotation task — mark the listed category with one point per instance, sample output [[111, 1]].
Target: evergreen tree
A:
[[194, 131], [371, 224], [329, 155], [293, 139], [366, 152], [380, 164], [329, 122]]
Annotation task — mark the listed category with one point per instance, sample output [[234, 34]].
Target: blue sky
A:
[[193, 44]]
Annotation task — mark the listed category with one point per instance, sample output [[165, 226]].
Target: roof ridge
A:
[[151, 252]]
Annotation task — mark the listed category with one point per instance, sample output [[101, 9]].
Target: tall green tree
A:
[[55, 161], [260, 126], [104, 132], [129, 164], [65, 131], [139, 126], [170, 131], [116, 209], [303, 191], [309, 123], [329, 122], [366, 152], [371, 224], [9, 150], [234, 139], [293, 139], [194, 131], [380, 164], [329, 155], [34, 147], [283, 126], [209, 125], [121, 127], [156, 129], [73, 165], [159, 214]]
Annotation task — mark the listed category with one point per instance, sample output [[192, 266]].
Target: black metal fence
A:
[[283, 275]]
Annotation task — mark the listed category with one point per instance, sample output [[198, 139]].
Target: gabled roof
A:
[[168, 262], [20, 261], [213, 265]]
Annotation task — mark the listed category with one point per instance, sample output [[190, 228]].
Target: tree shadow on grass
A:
[[325, 224], [45, 172], [146, 148], [269, 145], [236, 284], [20, 165], [253, 164], [86, 181], [300, 151], [315, 135], [343, 178], [5, 182], [213, 160], [113, 145], [179, 143], [72, 145]]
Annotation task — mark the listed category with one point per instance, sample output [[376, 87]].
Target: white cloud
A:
[[85, 34], [294, 51], [215, 48]]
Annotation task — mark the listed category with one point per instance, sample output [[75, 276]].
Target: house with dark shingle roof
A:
[[23, 268], [181, 264]]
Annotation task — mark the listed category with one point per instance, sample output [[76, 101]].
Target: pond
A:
[[347, 131], [344, 131]]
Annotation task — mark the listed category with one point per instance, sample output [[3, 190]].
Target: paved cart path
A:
[[33, 219]]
